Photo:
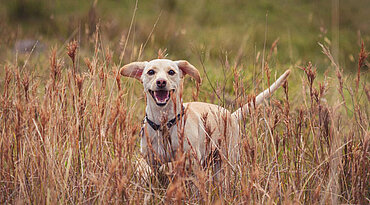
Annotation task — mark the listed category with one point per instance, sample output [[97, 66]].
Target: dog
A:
[[198, 128]]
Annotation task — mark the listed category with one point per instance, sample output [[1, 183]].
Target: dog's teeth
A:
[[161, 96]]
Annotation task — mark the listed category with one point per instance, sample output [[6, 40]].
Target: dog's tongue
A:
[[161, 95]]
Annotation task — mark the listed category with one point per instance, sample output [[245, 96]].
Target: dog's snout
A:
[[161, 83]]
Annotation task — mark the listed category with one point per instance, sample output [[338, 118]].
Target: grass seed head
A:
[[72, 50]]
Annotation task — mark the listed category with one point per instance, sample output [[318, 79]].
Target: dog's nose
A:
[[161, 83]]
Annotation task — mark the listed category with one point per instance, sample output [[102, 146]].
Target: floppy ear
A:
[[189, 69], [133, 70]]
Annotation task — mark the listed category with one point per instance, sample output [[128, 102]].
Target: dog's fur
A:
[[204, 129]]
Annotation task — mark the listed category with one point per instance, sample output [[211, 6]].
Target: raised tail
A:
[[262, 96]]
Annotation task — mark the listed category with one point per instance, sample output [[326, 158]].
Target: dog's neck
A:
[[161, 115]]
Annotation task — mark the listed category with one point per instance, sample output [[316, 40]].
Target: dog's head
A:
[[161, 78]]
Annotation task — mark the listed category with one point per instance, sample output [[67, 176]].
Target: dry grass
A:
[[74, 139]]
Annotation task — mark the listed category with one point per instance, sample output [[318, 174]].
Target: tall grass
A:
[[73, 138]]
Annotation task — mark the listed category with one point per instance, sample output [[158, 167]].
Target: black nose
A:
[[161, 83]]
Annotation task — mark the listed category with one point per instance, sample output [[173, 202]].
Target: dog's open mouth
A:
[[161, 97]]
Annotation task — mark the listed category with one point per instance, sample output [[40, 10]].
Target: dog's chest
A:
[[161, 143]]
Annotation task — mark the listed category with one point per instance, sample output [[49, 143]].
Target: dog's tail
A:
[[262, 96]]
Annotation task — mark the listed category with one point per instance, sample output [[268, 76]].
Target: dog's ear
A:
[[133, 70], [189, 69]]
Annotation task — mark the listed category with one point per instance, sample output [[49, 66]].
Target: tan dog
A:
[[202, 129]]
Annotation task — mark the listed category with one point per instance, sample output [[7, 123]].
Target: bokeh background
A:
[[207, 33], [187, 27]]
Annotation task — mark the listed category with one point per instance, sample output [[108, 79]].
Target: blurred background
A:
[[185, 28]]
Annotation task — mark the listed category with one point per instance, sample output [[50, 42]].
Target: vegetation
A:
[[70, 124]]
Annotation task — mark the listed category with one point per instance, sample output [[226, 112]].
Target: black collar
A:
[[169, 123]]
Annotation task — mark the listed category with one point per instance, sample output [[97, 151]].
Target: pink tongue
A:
[[161, 95]]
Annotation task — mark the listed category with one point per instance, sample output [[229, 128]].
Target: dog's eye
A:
[[171, 72], [151, 72]]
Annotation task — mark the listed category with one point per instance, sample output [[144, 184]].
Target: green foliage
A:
[[186, 25], [25, 10]]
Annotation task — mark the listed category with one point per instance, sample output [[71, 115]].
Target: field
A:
[[70, 123]]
